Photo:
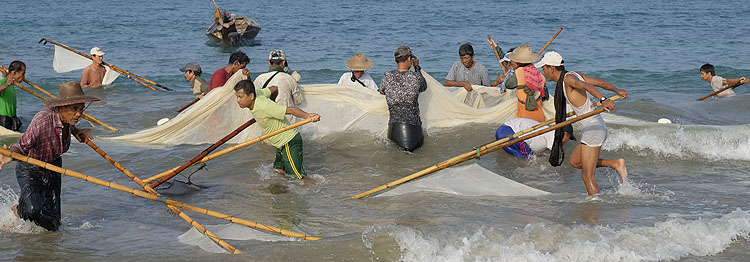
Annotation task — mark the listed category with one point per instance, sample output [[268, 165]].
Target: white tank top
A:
[[588, 106]]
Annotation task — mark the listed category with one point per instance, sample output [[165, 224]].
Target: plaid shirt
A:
[[44, 138]]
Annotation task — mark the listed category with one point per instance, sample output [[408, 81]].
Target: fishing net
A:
[[66, 61], [342, 109], [227, 232], [468, 180], [4, 132]]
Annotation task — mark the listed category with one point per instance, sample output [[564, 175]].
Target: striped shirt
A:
[[44, 138]]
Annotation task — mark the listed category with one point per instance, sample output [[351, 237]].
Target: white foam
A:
[[8, 220], [669, 240]]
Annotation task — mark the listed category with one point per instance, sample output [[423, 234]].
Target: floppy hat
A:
[[524, 55], [192, 66], [277, 54], [359, 62], [550, 58], [70, 93], [97, 51]]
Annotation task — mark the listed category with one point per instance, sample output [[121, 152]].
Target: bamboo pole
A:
[[717, 92], [204, 153], [497, 55], [125, 73], [174, 209], [84, 115], [235, 147], [189, 104], [159, 198], [550, 41], [485, 149]]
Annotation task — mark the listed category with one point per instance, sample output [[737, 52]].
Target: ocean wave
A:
[[671, 239]]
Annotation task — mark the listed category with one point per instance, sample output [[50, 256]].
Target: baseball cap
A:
[[97, 51], [277, 54], [192, 66], [506, 58], [550, 58], [402, 51]]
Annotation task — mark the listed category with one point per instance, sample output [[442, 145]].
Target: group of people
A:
[[272, 97]]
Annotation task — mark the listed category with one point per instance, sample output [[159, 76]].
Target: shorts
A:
[[594, 132], [289, 158], [39, 200]]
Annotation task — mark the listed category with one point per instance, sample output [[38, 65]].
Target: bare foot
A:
[[14, 208], [280, 171], [621, 169]]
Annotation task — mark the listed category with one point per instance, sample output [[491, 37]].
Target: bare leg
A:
[[589, 157], [14, 208], [618, 165]]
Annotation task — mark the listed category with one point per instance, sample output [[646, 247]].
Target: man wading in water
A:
[[579, 90], [46, 139], [93, 74]]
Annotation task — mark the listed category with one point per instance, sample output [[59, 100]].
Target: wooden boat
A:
[[242, 32]]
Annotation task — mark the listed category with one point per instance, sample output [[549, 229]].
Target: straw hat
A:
[[524, 55], [359, 62], [70, 93]]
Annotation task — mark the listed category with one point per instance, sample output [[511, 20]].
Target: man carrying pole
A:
[[46, 139], [579, 90]]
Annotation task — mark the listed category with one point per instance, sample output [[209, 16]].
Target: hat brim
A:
[[359, 67], [524, 60], [70, 101]]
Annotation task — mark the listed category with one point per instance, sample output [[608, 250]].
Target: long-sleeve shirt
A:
[[401, 90], [44, 139]]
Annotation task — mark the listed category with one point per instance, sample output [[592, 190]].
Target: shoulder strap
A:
[[269, 79]]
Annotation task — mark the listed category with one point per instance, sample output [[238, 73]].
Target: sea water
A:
[[686, 199]]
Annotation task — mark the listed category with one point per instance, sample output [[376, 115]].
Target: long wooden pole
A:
[[174, 209], [189, 104], [125, 73], [550, 41], [717, 92], [204, 153], [84, 115], [232, 148], [159, 198], [488, 148], [497, 55]]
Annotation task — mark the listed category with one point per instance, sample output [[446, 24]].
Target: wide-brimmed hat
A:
[[97, 52], [551, 58], [70, 93], [524, 55], [359, 62]]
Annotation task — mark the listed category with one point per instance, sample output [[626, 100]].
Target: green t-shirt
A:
[[270, 115], [7, 100]]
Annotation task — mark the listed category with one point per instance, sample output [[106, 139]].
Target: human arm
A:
[[85, 77], [80, 134], [606, 85], [575, 83], [451, 78], [496, 47], [4, 160], [302, 114], [735, 82], [465, 84]]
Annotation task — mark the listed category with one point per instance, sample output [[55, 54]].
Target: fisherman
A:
[[93, 74], [401, 88], [46, 139], [528, 83], [237, 61], [579, 90], [271, 116], [537, 144], [8, 105], [466, 72], [289, 93], [358, 77], [718, 83], [505, 63], [192, 72]]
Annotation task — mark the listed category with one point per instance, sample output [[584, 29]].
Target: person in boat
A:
[[580, 92], [717, 83], [466, 72], [528, 83], [46, 139], [401, 88], [237, 61], [359, 64], [8, 104], [527, 148], [93, 74], [192, 72], [271, 116], [289, 93]]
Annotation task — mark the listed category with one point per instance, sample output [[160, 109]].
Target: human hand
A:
[[492, 42], [622, 93], [4, 159], [414, 61], [83, 134], [467, 86], [608, 105], [315, 117], [245, 72], [744, 80]]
